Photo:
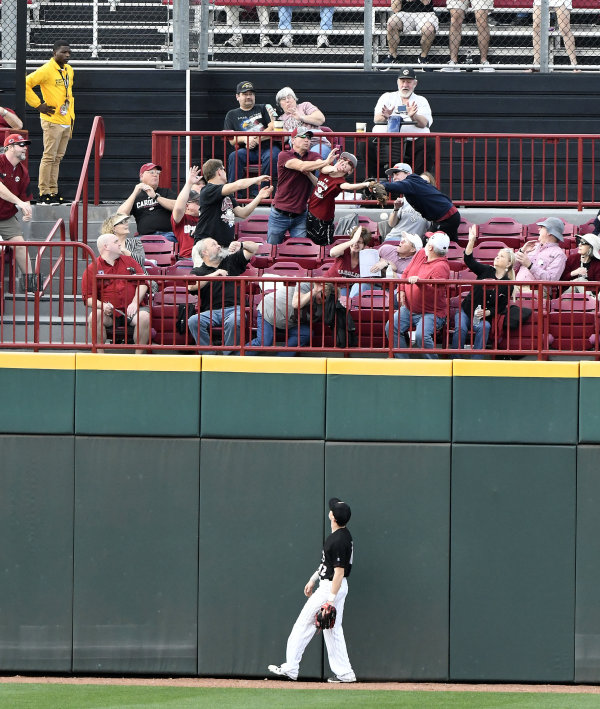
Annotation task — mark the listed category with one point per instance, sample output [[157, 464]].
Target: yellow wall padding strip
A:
[[493, 368], [391, 367], [589, 369], [138, 363], [265, 365], [37, 360]]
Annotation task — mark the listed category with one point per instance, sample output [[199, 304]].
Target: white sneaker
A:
[[337, 680], [276, 670], [265, 41], [236, 40], [486, 66], [451, 66], [322, 41], [286, 41]]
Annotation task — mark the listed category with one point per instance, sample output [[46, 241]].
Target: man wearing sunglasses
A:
[[15, 195]]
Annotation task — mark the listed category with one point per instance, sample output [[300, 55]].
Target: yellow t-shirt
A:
[[56, 85]]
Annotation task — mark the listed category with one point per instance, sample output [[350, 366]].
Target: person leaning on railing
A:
[[474, 312]]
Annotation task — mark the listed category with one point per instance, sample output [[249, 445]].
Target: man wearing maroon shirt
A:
[[14, 195], [119, 299], [184, 217], [288, 212]]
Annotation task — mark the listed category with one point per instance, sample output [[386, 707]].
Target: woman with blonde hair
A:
[[474, 313]]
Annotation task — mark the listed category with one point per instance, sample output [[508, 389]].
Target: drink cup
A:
[[361, 127], [278, 125]]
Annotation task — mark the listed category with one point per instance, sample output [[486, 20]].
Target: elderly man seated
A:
[[117, 301], [544, 259], [423, 306], [218, 300], [396, 257]]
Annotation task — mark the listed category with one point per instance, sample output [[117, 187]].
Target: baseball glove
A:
[[375, 190], [325, 617]]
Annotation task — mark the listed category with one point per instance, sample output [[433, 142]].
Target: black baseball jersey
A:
[[338, 551]]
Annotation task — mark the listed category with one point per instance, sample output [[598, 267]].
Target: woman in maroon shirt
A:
[[347, 258]]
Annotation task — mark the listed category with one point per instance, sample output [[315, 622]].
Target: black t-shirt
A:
[[235, 265], [216, 218], [256, 119], [338, 551], [149, 216], [417, 6]]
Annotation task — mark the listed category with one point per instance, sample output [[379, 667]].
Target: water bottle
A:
[[478, 315], [389, 272], [271, 111]]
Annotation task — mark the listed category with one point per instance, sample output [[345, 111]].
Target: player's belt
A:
[[287, 214]]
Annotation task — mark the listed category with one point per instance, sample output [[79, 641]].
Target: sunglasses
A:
[[579, 241]]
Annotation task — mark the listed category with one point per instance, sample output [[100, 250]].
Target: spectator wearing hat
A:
[[403, 217], [249, 150], [9, 119], [184, 217], [218, 206], [57, 116], [416, 118], [397, 256], [423, 306], [149, 204], [321, 203], [411, 16], [14, 195], [289, 208], [426, 199], [544, 259], [585, 264]]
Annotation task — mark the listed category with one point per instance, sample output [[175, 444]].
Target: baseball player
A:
[[335, 567]]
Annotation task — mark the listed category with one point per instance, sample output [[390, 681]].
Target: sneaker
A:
[[59, 198], [265, 41], [389, 59], [276, 670], [286, 41], [52, 199], [486, 66], [29, 283], [423, 61], [337, 680], [236, 40], [451, 66], [45, 199], [322, 41]]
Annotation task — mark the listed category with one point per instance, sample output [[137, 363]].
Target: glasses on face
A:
[[581, 242]]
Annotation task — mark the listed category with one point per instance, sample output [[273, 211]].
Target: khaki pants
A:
[[56, 138]]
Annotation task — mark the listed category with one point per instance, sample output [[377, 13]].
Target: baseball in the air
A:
[[383, 216]]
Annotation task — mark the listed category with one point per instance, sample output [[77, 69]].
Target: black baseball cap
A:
[[407, 72], [244, 86], [341, 511]]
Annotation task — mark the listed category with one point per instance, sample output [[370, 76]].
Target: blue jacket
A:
[[425, 198]]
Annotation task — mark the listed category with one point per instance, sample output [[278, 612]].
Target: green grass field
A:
[[57, 696]]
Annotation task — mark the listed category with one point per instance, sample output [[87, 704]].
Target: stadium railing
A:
[[474, 169]]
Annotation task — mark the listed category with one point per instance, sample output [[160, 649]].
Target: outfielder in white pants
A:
[[336, 565], [304, 629]]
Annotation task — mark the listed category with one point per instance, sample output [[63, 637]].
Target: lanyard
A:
[[65, 80]]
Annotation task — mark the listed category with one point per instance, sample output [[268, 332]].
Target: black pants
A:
[[448, 226], [379, 154]]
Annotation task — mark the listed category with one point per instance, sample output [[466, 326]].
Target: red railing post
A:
[[161, 154]]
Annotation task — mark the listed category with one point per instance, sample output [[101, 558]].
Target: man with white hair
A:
[[117, 301], [397, 256], [14, 195], [218, 300], [423, 306]]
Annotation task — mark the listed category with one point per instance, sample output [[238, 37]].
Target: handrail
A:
[[96, 141], [60, 263]]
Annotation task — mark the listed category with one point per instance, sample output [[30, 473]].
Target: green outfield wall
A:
[[161, 515]]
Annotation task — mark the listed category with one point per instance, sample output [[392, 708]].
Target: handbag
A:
[[517, 316]]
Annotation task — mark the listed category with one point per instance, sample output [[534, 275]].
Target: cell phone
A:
[[402, 109]]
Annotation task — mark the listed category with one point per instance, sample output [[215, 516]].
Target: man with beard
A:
[[14, 194], [218, 300], [389, 119]]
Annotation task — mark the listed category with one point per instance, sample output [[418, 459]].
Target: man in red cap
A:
[[15, 195], [149, 204]]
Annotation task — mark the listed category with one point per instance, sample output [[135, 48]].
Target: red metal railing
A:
[[537, 170], [95, 144]]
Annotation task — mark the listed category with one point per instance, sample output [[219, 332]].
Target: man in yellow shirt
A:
[[57, 115]]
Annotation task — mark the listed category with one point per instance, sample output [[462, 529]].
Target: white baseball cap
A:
[[440, 242], [414, 239]]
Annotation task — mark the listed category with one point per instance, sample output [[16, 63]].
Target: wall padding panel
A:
[[400, 500], [512, 585], [261, 533], [136, 551], [589, 395], [587, 617], [36, 553]]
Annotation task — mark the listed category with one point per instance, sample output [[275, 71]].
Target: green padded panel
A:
[[512, 586], [400, 500], [261, 534], [136, 555], [587, 611], [36, 553]]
